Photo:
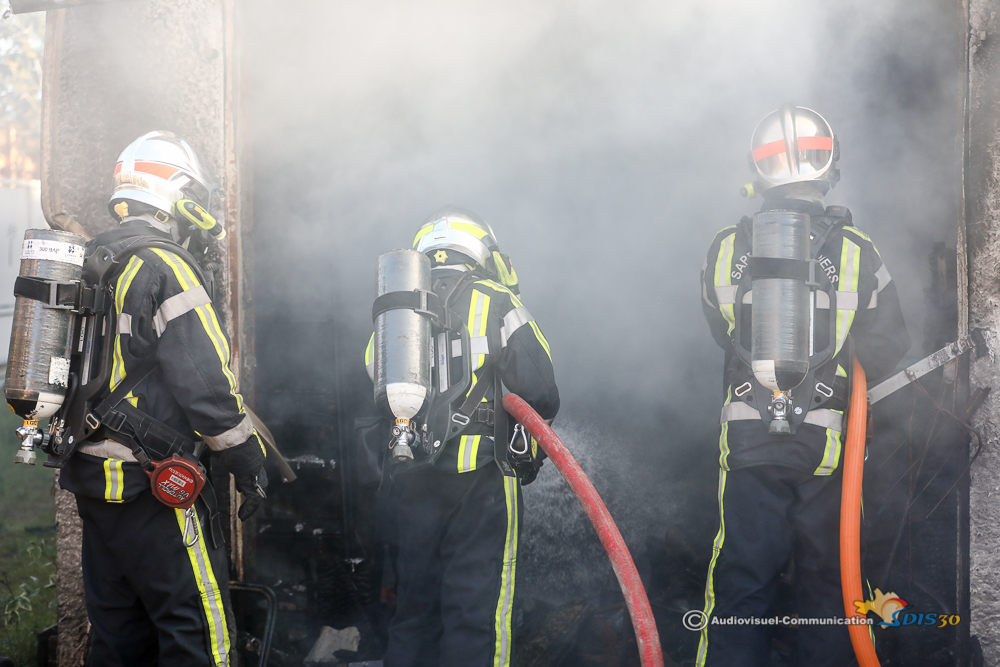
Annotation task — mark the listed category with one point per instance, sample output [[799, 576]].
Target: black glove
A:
[[246, 463]]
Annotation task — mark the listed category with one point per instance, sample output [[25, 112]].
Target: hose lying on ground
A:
[[850, 518], [621, 560]]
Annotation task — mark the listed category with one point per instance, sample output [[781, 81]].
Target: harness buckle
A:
[[824, 389], [460, 419], [743, 388], [92, 421]]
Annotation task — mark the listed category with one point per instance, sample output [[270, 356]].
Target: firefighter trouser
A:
[[151, 599], [458, 537], [769, 514]]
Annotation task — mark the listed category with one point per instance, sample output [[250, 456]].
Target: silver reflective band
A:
[[107, 449], [237, 435], [883, 277], [477, 345], [740, 411], [124, 324], [179, 304], [845, 300], [726, 294], [513, 321]]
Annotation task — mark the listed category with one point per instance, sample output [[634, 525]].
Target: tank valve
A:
[[402, 437], [30, 438], [781, 405]]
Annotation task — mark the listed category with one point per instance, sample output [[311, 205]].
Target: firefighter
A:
[[779, 492], [459, 519], [155, 577]]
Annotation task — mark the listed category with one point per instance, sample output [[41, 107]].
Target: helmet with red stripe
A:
[[156, 170], [794, 145]]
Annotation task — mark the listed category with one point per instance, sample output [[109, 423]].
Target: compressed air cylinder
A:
[[41, 337], [780, 335], [402, 337]]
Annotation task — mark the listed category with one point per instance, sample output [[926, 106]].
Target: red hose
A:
[[621, 560], [850, 519]]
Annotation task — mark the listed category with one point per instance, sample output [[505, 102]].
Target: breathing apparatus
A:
[[793, 149], [422, 348], [64, 326]]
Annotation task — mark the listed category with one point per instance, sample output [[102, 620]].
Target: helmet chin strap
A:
[[169, 227]]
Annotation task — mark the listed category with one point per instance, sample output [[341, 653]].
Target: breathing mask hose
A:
[[639, 610], [850, 518]]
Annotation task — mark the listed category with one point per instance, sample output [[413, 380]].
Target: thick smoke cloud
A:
[[606, 142]]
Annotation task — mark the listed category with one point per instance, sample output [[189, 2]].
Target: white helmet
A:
[[453, 228], [794, 145], [156, 170]]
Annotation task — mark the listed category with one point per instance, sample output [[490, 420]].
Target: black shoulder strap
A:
[[823, 228]]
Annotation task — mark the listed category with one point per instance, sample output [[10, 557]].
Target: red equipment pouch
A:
[[176, 482]]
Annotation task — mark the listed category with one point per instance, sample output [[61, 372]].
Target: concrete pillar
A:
[[982, 186], [112, 72]]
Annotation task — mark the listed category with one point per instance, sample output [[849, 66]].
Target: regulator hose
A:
[[639, 610], [850, 518]]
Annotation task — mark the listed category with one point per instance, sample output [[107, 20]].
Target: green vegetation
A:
[[27, 549]]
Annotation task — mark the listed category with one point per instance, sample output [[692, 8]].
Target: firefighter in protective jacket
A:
[[459, 518], [779, 492], [156, 577]]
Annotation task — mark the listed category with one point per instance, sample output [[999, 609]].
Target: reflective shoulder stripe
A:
[[178, 305], [479, 312], [513, 321], [121, 289], [477, 345], [517, 304], [858, 233], [237, 435], [740, 411], [211, 595], [883, 277], [723, 273]]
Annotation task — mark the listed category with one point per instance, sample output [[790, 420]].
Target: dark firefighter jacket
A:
[[161, 307], [867, 309], [504, 333]]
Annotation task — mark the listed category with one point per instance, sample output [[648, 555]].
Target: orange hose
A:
[[850, 519]]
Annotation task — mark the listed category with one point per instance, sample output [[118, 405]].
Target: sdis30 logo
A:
[[890, 607]]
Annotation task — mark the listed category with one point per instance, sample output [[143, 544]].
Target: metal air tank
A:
[[781, 311], [42, 335], [403, 346]]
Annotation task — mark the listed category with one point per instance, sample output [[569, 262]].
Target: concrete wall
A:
[[983, 242], [112, 72]]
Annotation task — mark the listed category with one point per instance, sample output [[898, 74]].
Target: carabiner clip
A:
[[190, 523], [519, 431]]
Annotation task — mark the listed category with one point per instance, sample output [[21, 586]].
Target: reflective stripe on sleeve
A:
[[237, 435], [178, 305], [883, 277], [513, 321], [211, 595]]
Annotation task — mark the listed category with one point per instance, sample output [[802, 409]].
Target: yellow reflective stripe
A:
[[370, 351], [114, 480], [517, 304], [476, 231], [505, 605], [723, 277], [720, 538], [724, 435], [850, 267], [479, 310], [188, 280], [211, 596], [831, 455], [121, 288], [421, 233], [468, 451]]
